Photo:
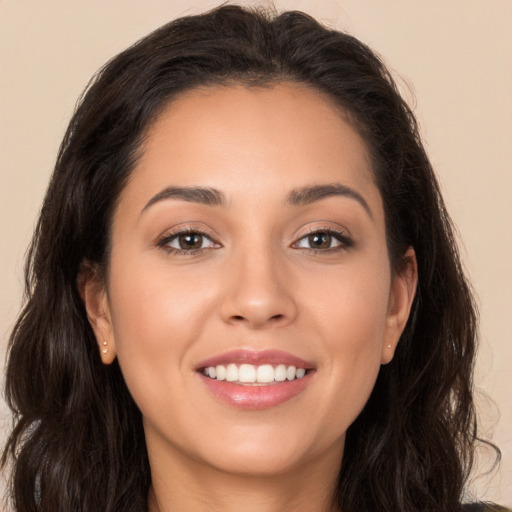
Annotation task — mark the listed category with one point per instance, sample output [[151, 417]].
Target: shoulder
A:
[[483, 507]]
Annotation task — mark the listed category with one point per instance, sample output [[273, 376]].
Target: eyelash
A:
[[345, 242], [163, 243]]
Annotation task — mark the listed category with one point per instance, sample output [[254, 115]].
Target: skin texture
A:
[[256, 284]]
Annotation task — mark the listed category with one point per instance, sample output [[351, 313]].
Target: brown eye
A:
[[320, 241], [187, 242], [324, 241], [190, 241]]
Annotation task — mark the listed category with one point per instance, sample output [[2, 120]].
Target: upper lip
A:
[[241, 356]]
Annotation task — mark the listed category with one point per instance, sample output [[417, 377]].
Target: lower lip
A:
[[256, 397]]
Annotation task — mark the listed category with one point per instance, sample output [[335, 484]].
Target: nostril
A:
[[273, 318]]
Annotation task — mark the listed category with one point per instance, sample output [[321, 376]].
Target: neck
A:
[[179, 484]]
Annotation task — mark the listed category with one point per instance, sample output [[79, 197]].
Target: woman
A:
[[244, 290]]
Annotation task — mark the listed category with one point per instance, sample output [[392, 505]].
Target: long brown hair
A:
[[77, 442]]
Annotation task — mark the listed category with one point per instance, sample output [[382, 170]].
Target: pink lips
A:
[[241, 356], [256, 397]]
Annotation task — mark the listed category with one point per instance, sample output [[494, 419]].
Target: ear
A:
[[403, 290], [92, 289]]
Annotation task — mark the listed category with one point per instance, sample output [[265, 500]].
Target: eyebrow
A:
[[297, 197], [202, 195], [307, 195]]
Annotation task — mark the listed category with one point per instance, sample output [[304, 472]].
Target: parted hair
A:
[[77, 442]]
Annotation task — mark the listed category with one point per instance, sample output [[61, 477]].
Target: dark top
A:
[[484, 507]]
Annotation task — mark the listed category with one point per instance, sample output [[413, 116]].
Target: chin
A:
[[266, 454], [259, 463]]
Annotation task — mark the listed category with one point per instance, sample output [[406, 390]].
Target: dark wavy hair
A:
[[77, 442]]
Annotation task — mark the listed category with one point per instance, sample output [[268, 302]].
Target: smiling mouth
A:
[[254, 375], [252, 380]]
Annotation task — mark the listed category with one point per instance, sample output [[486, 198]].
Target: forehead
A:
[[257, 141]]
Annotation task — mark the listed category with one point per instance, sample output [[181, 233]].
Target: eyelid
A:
[[170, 235], [341, 234]]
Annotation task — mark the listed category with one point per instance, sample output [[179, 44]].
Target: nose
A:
[[258, 292]]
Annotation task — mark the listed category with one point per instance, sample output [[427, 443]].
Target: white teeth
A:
[[265, 373], [221, 372], [232, 373], [247, 373], [250, 374], [280, 373]]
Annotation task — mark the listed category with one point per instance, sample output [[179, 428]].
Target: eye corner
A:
[[198, 241], [327, 240]]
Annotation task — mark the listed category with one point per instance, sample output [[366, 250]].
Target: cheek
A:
[[351, 304], [157, 315], [349, 318], [153, 300], [353, 343]]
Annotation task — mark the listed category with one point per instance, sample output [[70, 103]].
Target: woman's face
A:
[[250, 244]]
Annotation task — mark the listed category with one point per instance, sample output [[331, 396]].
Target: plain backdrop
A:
[[453, 62]]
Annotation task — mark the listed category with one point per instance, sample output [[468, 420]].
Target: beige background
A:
[[454, 56]]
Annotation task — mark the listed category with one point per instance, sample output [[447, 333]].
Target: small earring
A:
[[389, 346], [105, 350]]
